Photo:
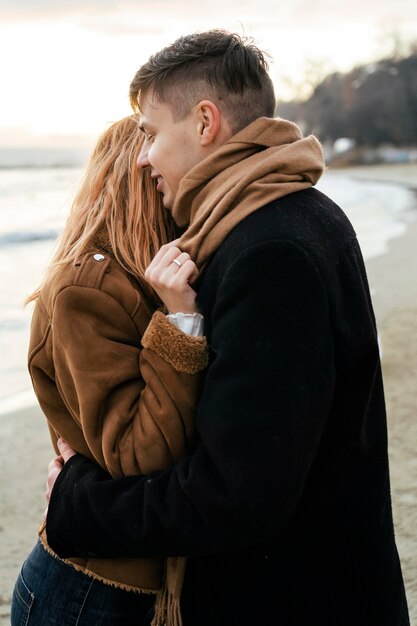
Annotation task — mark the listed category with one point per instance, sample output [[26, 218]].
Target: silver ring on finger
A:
[[177, 262]]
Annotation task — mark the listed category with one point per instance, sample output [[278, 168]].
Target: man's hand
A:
[[55, 466], [171, 274]]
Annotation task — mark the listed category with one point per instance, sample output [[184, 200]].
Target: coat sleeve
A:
[[264, 404], [133, 405]]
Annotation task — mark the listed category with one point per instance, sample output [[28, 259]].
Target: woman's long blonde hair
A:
[[117, 203]]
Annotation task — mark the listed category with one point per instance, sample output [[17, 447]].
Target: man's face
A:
[[171, 148]]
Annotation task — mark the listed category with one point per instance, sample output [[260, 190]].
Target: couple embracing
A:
[[204, 349]]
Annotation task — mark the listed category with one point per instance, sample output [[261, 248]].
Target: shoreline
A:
[[404, 174], [25, 448]]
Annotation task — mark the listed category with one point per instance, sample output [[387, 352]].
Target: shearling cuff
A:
[[185, 353]]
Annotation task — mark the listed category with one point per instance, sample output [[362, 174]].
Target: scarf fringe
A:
[[167, 609], [167, 604]]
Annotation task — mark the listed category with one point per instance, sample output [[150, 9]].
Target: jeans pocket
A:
[[22, 602]]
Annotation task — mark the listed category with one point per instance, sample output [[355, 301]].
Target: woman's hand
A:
[[171, 274], [55, 466]]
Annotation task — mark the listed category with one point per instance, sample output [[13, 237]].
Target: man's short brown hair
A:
[[216, 65]]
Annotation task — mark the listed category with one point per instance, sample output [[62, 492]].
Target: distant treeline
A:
[[373, 104]]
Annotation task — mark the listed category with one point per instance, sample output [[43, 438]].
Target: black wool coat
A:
[[284, 508]]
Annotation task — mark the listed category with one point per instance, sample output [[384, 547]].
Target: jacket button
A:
[[98, 257]]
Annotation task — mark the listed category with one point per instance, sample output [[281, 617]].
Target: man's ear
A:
[[209, 122]]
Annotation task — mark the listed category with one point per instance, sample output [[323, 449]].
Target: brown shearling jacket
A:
[[117, 382]]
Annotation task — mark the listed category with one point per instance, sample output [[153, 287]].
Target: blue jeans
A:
[[48, 592]]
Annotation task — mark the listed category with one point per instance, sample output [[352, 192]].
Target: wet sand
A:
[[25, 450]]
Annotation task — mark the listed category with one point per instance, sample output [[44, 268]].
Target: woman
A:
[[115, 377]]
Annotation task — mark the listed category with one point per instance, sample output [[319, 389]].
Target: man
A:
[[284, 507]]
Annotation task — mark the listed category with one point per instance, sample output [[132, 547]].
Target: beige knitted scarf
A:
[[266, 160]]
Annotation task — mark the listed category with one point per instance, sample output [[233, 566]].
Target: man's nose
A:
[[143, 160]]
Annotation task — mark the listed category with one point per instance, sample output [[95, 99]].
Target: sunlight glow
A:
[[69, 74]]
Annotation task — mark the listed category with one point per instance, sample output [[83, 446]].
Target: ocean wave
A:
[[19, 237]]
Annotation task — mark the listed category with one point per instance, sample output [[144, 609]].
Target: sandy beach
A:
[[392, 277], [25, 450]]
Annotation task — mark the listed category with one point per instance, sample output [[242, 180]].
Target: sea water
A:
[[34, 203], [35, 197]]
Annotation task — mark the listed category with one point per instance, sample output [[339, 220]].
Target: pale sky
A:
[[66, 65]]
